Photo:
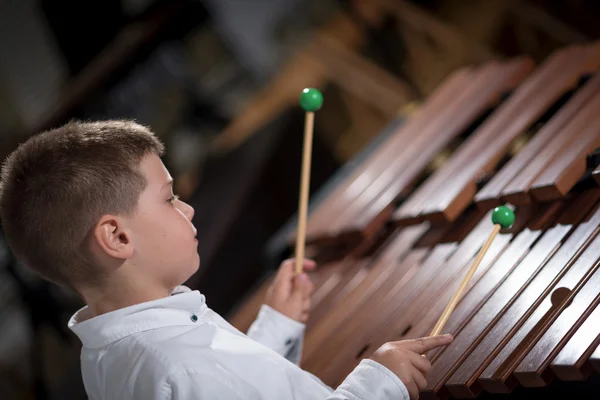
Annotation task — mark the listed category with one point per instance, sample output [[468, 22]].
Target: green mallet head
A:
[[503, 216], [311, 100]]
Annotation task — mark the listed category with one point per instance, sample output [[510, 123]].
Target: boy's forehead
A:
[[154, 170]]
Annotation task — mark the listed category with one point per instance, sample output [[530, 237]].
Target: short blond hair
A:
[[56, 185]]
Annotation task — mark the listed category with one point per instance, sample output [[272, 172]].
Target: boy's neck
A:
[[117, 294]]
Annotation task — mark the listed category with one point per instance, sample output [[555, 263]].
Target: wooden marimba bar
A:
[[511, 132]]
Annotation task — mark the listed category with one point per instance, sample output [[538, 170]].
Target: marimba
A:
[[417, 210]]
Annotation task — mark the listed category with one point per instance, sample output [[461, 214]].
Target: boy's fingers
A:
[[413, 389], [287, 266], [419, 380], [423, 345], [419, 362], [306, 305], [308, 285], [299, 289], [283, 279], [309, 264], [304, 285]]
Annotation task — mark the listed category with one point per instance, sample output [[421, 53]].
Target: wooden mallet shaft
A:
[[311, 100], [502, 217], [304, 188], [437, 329]]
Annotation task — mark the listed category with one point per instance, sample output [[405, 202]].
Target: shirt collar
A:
[[180, 309]]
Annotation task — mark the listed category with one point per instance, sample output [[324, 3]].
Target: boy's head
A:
[[88, 202]]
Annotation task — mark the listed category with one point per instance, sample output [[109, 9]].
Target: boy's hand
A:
[[290, 293], [404, 358]]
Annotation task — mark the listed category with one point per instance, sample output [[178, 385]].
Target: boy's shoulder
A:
[[173, 343], [154, 340], [165, 348], [151, 362]]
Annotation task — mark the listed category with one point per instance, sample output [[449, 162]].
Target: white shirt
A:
[[177, 348]]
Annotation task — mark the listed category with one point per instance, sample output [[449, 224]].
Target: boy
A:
[[90, 206]]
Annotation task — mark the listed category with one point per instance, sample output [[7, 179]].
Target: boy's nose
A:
[[187, 210]]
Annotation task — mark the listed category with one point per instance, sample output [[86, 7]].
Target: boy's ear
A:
[[112, 237]]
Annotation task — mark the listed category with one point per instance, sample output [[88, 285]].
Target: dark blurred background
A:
[[218, 81]]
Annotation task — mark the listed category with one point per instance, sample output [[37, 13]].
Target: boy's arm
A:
[[279, 333], [280, 323], [368, 381], [397, 370], [371, 380]]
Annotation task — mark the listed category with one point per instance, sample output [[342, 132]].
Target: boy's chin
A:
[[189, 272], [180, 274]]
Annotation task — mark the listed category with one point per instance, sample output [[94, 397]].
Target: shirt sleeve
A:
[[193, 385], [368, 381], [371, 380], [278, 332]]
